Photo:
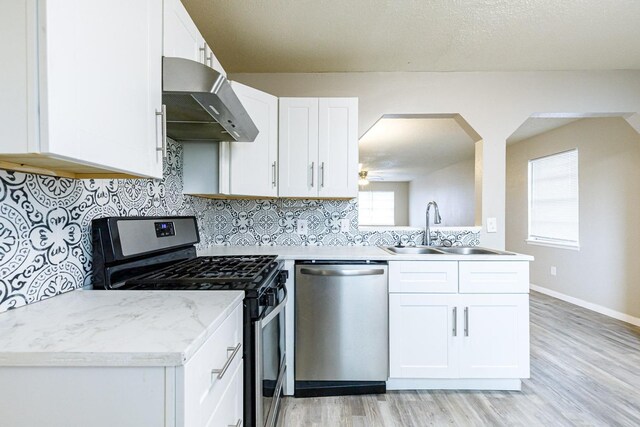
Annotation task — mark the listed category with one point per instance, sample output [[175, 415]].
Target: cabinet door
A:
[[253, 165], [99, 92], [422, 336], [181, 36], [495, 340], [338, 147], [298, 147]]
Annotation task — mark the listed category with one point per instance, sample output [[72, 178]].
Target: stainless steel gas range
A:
[[158, 253]]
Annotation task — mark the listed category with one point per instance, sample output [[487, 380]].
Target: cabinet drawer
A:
[[203, 388], [229, 410], [423, 276], [508, 277]]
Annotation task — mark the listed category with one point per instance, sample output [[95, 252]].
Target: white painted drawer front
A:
[[203, 388], [228, 410], [508, 277], [423, 276]]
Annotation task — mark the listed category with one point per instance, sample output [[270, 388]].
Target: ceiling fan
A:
[[365, 178]]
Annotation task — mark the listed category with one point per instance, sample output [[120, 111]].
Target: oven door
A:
[[270, 361]]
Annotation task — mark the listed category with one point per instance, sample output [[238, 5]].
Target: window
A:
[[553, 200], [376, 208]]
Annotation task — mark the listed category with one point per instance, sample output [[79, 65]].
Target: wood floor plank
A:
[[585, 371]]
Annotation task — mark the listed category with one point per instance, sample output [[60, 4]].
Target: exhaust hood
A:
[[201, 105]]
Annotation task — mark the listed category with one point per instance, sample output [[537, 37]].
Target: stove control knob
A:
[[269, 298]]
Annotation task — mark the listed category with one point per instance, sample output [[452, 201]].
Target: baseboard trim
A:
[[453, 384], [588, 305]]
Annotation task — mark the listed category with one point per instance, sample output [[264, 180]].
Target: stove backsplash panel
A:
[[45, 239]]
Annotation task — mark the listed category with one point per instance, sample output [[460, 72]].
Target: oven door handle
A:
[[276, 311]]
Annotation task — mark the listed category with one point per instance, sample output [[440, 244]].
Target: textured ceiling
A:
[[420, 35], [401, 149]]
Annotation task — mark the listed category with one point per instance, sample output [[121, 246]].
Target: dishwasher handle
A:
[[328, 272]]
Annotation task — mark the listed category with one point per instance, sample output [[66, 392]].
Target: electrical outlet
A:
[[553, 270], [492, 225], [344, 225], [302, 226]]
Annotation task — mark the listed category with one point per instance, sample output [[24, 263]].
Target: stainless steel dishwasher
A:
[[341, 328]]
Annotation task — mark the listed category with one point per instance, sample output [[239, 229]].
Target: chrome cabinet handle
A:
[[221, 372], [466, 321], [368, 272], [238, 424], [313, 164], [163, 113], [203, 53], [455, 321], [273, 173], [322, 174]]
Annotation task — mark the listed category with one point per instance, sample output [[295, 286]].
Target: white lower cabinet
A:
[[210, 374], [206, 391], [495, 338], [420, 339], [456, 336]]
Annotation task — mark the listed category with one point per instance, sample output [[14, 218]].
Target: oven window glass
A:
[[272, 357]]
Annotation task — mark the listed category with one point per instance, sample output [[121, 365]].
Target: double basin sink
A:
[[443, 250]]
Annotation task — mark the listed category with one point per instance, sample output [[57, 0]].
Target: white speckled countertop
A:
[[113, 328], [372, 253]]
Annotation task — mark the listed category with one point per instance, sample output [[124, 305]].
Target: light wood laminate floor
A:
[[585, 370]]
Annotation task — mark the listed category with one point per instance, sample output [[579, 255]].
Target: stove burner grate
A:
[[221, 269]]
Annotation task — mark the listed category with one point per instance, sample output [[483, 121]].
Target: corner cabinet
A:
[[318, 147], [465, 333], [81, 88]]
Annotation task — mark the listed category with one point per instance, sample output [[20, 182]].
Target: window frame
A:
[[393, 205], [552, 242]]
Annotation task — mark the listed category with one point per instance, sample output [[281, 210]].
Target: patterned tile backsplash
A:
[[45, 243]]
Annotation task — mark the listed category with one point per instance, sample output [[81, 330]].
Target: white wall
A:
[[606, 270], [452, 188], [495, 104], [400, 198]]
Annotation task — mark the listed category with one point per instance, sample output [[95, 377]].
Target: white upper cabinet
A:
[[84, 79], [298, 147], [182, 39], [318, 147], [253, 166], [181, 36], [338, 147]]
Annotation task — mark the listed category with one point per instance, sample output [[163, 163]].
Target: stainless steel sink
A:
[[413, 250], [471, 250]]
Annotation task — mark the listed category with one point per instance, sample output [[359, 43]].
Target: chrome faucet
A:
[[436, 220]]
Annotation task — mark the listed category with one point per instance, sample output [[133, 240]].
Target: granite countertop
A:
[[372, 253], [113, 328]]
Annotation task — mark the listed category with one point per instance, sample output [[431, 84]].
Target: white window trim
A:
[[552, 243]]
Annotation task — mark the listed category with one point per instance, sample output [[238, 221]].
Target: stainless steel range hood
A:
[[201, 105]]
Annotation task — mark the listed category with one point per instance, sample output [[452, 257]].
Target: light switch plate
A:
[[492, 225], [553, 270], [344, 225], [302, 226]]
